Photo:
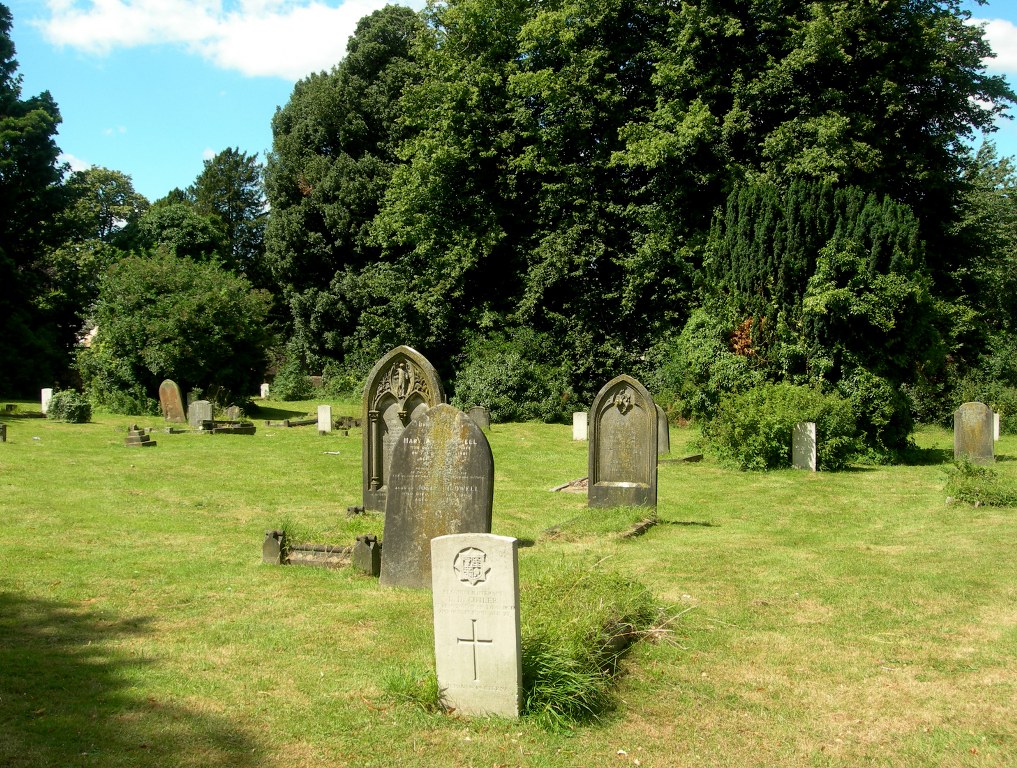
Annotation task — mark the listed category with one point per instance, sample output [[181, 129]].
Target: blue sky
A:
[[153, 87]]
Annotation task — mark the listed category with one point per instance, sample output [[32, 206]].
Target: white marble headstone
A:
[[580, 423], [264, 391], [995, 426], [324, 418], [47, 395], [475, 583], [803, 446]]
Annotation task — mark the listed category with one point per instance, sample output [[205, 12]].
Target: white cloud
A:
[[1002, 36], [208, 153], [277, 38], [120, 130], [76, 163]]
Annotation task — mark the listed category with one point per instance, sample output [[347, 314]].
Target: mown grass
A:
[[815, 619]]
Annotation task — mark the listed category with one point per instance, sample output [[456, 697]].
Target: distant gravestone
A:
[[972, 433], [264, 391], [580, 422], [481, 417], [623, 446], [441, 482], [995, 426], [663, 432], [803, 446], [475, 580], [45, 396], [233, 413], [197, 412], [324, 419], [400, 388], [367, 555], [171, 401]]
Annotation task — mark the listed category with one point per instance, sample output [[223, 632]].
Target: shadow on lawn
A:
[[276, 414], [66, 698]]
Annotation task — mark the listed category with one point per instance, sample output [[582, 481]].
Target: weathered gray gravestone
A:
[[400, 387], [972, 433], [803, 446], [171, 400], [623, 446], [580, 423], [475, 580], [481, 417], [663, 432], [197, 412], [441, 481]]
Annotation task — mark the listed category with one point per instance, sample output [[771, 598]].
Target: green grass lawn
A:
[[816, 619]]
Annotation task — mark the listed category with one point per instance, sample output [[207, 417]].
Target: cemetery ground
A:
[[812, 619]]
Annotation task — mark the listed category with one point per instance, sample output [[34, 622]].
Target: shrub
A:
[[980, 485], [754, 428], [69, 405], [999, 397], [508, 375], [881, 412], [291, 382]]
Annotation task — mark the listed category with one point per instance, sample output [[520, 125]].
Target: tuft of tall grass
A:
[[980, 485]]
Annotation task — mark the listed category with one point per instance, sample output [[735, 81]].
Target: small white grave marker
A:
[[264, 391], [995, 426], [580, 424], [47, 395], [324, 419], [803, 446], [475, 583]]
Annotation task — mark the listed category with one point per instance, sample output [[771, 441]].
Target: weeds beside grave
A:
[[980, 485]]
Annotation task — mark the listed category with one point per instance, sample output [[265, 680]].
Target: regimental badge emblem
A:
[[471, 566]]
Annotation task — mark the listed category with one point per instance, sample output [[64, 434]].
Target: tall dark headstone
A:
[[441, 481], [171, 400], [623, 446], [972, 433], [400, 388]]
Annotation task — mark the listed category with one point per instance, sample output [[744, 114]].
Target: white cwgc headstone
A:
[[580, 424], [475, 582], [264, 391], [995, 426], [47, 395], [324, 418], [803, 446]]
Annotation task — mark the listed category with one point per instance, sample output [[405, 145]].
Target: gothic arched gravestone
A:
[[623, 446], [402, 386]]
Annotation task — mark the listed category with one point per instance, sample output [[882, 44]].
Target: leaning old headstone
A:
[[324, 419], [441, 481], [972, 433], [623, 446], [171, 400], [197, 412], [663, 432], [367, 555], [45, 396], [477, 652], [580, 422], [481, 417], [803, 446], [273, 548], [400, 387]]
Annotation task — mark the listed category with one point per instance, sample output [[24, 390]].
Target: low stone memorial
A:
[[441, 482], [481, 417], [3, 433], [972, 433], [663, 432], [803, 446], [477, 650], [45, 396], [367, 555], [324, 419], [197, 412], [623, 446], [138, 438], [171, 401], [400, 388], [273, 549], [580, 422]]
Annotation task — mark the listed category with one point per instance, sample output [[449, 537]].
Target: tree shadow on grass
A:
[[66, 698], [926, 457], [277, 414]]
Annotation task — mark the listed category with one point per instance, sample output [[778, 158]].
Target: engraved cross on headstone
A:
[[473, 641]]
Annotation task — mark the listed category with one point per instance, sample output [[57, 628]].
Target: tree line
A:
[[709, 194]]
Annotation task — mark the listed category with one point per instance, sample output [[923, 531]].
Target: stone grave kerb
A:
[[401, 386], [622, 451]]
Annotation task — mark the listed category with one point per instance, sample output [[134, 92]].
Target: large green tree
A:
[[29, 200]]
